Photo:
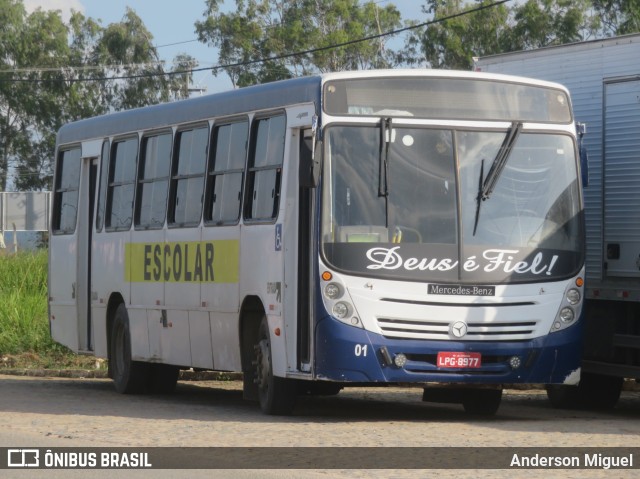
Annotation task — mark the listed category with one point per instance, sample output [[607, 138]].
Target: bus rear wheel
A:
[[277, 396], [163, 378], [129, 377]]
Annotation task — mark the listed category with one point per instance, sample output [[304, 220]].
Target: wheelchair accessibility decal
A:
[[278, 237]]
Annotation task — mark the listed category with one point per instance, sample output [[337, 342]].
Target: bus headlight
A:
[[573, 296], [341, 310], [337, 300], [567, 315], [570, 308], [333, 291]]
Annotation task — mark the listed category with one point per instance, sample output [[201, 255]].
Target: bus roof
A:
[[254, 98]]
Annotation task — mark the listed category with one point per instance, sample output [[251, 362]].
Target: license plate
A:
[[448, 359]]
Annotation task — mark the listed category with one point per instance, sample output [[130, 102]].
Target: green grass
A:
[[24, 327]]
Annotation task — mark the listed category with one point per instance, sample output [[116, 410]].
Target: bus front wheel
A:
[[129, 377], [277, 395]]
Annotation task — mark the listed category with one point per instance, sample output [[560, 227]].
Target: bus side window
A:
[[226, 169], [66, 192], [265, 168], [187, 177], [102, 188], [153, 181], [122, 177]]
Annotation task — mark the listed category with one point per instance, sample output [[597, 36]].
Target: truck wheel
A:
[[482, 402], [563, 397], [595, 391], [600, 392], [129, 377], [277, 395]]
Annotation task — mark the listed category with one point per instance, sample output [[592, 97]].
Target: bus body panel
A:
[[63, 308], [299, 119], [139, 330], [262, 275], [150, 291], [355, 356], [69, 295], [405, 319], [535, 305], [99, 324], [225, 340], [200, 340]]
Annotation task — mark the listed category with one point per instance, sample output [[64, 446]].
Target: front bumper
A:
[[349, 354]]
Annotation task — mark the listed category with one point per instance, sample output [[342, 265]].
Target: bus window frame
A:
[[57, 212], [174, 179], [252, 170], [211, 173], [103, 184], [141, 181], [110, 184]]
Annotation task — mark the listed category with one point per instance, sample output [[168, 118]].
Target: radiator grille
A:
[[429, 329]]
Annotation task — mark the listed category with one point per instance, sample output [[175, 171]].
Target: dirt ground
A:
[[89, 413]]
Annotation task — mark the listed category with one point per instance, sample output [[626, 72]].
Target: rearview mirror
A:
[[581, 129]]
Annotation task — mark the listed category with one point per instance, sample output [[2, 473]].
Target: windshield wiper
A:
[[386, 130], [487, 185]]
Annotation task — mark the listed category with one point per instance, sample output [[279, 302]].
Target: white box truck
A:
[[603, 77]]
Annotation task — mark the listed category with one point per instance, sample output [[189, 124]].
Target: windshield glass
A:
[[434, 227]]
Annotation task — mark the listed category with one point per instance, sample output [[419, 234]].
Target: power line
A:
[[177, 43], [272, 58]]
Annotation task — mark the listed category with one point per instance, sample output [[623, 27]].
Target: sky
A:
[[172, 21]]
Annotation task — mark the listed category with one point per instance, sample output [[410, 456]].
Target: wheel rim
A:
[[263, 366]]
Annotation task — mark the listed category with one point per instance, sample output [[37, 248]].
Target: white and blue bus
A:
[[360, 228]]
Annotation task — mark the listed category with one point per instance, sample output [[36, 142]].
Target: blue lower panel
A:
[[348, 354]]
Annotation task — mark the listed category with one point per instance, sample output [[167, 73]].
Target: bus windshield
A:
[[411, 207]]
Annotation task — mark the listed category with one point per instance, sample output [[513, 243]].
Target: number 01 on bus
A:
[[363, 228]]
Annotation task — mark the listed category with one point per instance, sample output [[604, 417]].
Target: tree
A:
[[257, 42], [126, 49], [453, 43], [619, 17], [54, 73], [493, 29], [540, 23], [28, 107]]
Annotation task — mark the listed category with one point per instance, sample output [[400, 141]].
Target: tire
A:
[[129, 377], [601, 392], [163, 378], [563, 397], [595, 391], [482, 402], [277, 396]]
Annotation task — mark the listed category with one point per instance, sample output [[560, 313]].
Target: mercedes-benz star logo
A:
[[458, 329]]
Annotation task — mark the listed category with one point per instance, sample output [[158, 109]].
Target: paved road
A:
[[48, 412]]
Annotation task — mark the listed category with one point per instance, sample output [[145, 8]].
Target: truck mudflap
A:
[[349, 354]]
